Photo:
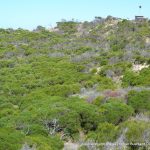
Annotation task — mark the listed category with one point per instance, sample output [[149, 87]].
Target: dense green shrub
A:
[[105, 132], [10, 139], [44, 143], [136, 130], [67, 26], [98, 101], [131, 78], [115, 112], [140, 101]]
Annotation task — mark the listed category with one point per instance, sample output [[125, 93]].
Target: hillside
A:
[[78, 83]]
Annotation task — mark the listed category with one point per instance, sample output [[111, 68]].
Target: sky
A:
[[28, 14]]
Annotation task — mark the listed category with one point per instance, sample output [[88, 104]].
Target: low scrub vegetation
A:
[[74, 83]]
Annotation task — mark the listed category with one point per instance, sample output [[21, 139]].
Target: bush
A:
[[115, 112], [130, 79], [44, 143], [68, 27], [136, 79], [106, 132], [10, 139], [137, 132], [140, 101], [98, 101]]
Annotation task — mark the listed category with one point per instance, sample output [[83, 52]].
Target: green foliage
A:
[[136, 130], [131, 78], [10, 139], [42, 73], [94, 70], [140, 101], [44, 143], [98, 101], [67, 26], [144, 77], [105, 83], [106, 132], [38, 108], [115, 112]]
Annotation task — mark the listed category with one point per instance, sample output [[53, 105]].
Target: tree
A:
[[40, 28]]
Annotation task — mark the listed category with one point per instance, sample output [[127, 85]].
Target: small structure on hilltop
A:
[[139, 18]]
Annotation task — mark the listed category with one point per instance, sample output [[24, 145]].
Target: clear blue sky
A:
[[30, 13]]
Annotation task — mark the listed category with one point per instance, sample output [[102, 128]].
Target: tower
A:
[[139, 17]]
